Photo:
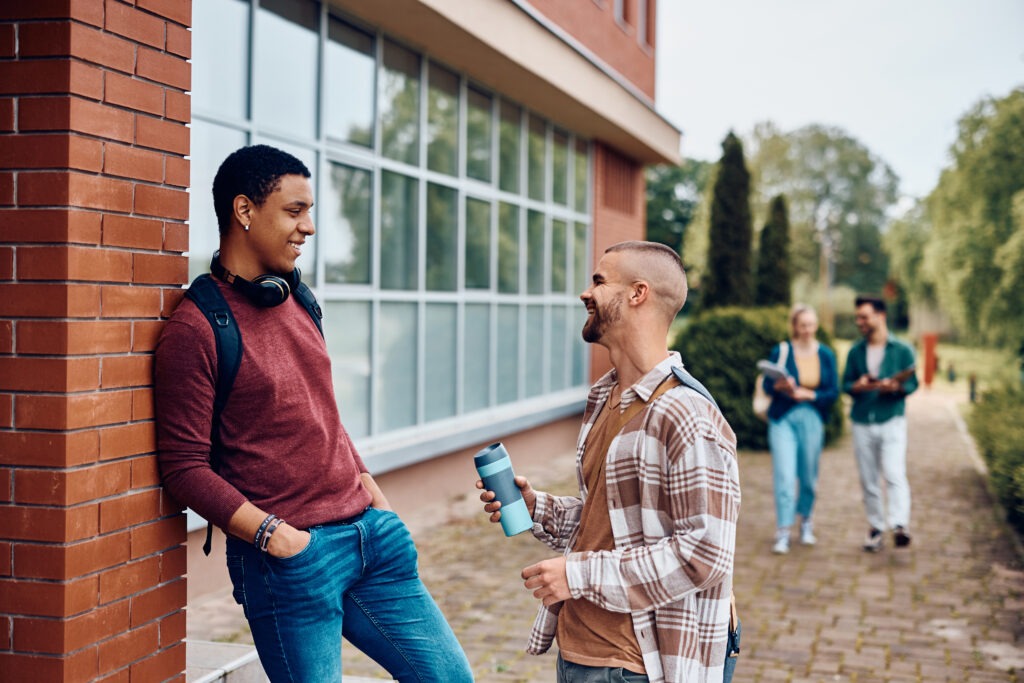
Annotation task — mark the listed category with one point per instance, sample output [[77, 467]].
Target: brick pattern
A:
[[620, 44], [619, 213], [94, 109]]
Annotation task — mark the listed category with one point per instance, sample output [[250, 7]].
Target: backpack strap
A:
[[688, 380], [208, 298], [308, 301]]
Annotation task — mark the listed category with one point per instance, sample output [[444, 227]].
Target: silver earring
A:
[[247, 228]]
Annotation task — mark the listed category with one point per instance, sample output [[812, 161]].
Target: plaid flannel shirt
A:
[[673, 499]]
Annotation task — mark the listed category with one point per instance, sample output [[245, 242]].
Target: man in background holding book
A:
[[879, 375]]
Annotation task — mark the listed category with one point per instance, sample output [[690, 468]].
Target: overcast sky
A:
[[894, 74]]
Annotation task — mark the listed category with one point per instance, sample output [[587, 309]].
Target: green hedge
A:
[[721, 348], [996, 425]]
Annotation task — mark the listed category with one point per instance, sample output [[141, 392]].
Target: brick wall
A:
[[620, 44], [93, 113], [620, 214]]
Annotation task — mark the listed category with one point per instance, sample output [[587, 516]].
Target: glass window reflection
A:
[[560, 168], [478, 244], [476, 359], [535, 267], [345, 226], [399, 243], [536, 160], [508, 248], [287, 33], [350, 74], [559, 256], [442, 121], [439, 368], [581, 165], [400, 104], [442, 227], [396, 367], [509, 145], [508, 353], [220, 36], [478, 134], [347, 330]]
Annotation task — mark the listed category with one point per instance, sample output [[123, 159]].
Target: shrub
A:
[[721, 349], [999, 432]]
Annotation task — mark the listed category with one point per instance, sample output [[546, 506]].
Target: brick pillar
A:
[[93, 113]]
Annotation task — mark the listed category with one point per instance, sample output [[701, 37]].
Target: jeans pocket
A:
[[301, 556], [732, 653]]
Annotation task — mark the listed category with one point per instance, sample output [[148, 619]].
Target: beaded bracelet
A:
[[263, 527], [265, 541]]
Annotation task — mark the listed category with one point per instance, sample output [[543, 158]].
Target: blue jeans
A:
[[570, 672], [358, 580], [796, 440]]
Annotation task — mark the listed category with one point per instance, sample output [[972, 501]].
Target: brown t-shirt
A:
[[588, 634]]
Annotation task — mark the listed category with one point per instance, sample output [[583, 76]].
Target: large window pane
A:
[[439, 364], [558, 375], [220, 42], [399, 236], [400, 104], [536, 174], [442, 121], [476, 360], [534, 350], [581, 262], [347, 329], [508, 248], [535, 268], [396, 367], [288, 37], [442, 230], [581, 163], [560, 168], [558, 257], [345, 226], [211, 144], [508, 155], [508, 353], [350, 70], [478, 135], [478, 244]]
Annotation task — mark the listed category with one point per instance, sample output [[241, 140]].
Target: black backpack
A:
[[206, 295]]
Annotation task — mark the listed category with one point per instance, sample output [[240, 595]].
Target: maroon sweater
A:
[[285, 449]]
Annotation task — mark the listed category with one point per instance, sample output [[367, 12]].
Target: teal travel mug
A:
[[495, 469]]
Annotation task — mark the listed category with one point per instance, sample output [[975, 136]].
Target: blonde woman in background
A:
[[796, 423]]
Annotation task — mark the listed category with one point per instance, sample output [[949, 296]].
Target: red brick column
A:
[[93, 113]]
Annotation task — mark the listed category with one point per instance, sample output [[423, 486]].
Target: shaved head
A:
[[657, 265]]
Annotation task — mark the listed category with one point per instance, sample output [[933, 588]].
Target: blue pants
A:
[[358, 580], [796, 440]]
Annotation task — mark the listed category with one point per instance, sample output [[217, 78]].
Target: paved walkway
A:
[[949, 608]]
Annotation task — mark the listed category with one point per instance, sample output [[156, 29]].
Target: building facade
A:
[[471, 161]]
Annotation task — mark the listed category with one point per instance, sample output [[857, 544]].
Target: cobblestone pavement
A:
[[948, 608]]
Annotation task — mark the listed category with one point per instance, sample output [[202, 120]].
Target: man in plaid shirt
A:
[[642, 590]]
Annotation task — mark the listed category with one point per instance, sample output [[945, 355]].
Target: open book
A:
[[772, 371]]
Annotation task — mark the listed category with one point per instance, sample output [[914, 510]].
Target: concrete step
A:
[[212, 662]]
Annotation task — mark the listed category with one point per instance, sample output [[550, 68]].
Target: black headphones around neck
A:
[[266, 290]]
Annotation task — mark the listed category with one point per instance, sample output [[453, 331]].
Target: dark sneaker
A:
[[873, 542], [900, 537]]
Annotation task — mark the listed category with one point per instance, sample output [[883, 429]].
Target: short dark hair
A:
[[876, 302], [254, 171]]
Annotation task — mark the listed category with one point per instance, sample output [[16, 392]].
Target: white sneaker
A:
[[781, 546], [807, 533]]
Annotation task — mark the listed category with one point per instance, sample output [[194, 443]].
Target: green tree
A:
[[838, 195], [772, 285], [673, 195], [727, 281], [976, 211]]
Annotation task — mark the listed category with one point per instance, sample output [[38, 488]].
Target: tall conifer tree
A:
[[772, 285], [728, 279]]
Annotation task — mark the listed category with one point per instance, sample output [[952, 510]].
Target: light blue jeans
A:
[[881, 452], [795, 440], [358, 580]]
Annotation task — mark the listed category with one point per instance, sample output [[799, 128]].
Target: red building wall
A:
[[93, 139], [621, 45]]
